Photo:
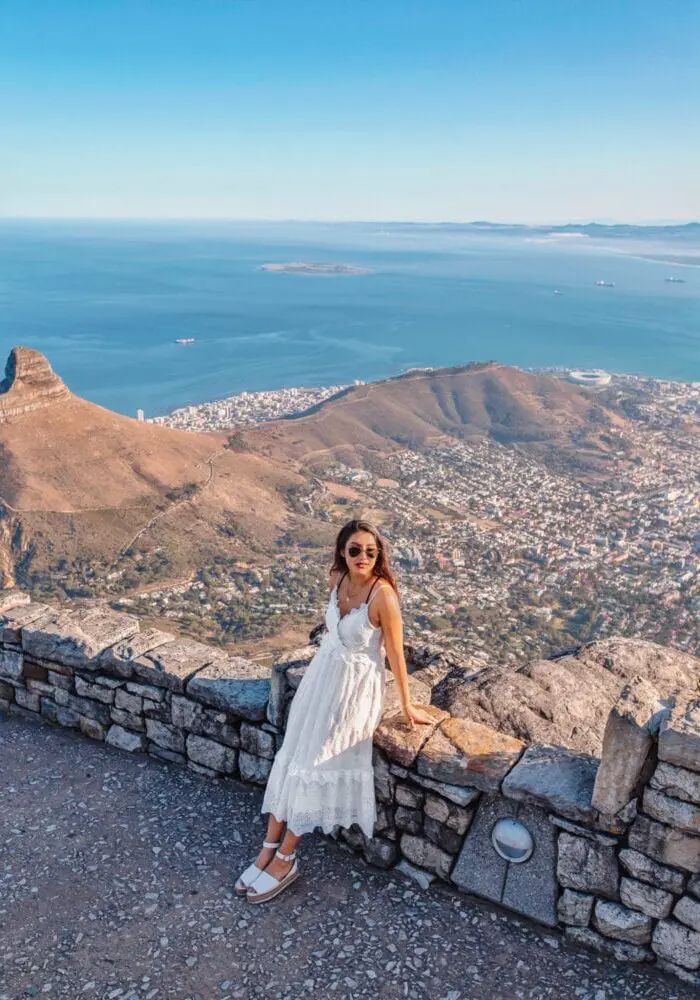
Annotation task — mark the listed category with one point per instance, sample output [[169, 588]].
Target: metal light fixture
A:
[[512, 841]]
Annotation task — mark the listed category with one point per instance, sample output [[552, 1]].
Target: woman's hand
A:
[[413, 714]]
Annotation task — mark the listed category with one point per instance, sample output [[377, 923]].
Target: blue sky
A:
[[351, 109]]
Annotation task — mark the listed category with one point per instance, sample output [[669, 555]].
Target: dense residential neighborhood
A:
[[499, 553]]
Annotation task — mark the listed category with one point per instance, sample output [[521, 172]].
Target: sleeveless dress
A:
[[322, 775]]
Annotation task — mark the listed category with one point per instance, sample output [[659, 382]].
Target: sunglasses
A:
[[355, 550]]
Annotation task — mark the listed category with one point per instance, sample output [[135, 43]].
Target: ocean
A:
[[107, 301]]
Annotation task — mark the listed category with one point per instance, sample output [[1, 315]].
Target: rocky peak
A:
[[29, 384]]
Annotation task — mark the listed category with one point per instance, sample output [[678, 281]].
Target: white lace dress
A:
[[322, 775]]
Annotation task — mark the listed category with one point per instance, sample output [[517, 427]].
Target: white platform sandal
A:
[[266, 886], [252, 872]]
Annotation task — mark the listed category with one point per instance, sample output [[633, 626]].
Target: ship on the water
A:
[[675, 281], [605, 284], [184, 340]]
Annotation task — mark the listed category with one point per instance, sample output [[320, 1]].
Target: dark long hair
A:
[[382, 568]]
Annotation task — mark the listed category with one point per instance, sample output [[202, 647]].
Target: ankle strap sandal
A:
[[266, 886], [252, 871]]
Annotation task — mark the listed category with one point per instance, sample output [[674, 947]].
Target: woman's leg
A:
[[275, 832]]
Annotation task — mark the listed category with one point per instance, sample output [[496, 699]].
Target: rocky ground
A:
[[116, 877]]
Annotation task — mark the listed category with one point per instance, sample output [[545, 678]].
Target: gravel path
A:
[[116, 880]]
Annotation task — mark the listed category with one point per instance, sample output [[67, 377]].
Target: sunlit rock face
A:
[[29, 384]]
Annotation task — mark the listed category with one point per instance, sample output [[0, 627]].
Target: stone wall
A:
[[611, 848]]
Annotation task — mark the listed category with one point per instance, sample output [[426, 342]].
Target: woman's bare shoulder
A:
[[333, 578]]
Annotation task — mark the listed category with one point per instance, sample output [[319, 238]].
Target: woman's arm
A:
[[389, 611]]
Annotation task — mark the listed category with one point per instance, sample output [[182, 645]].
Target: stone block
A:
[[556, 779], [165, 736], [694, 886], [647, 899], [118, 659], [647, 870], [40, 687], [623, 951], [454, 817], [575, 908], [679, 736], [461, 752], [479, 869], [92, 728], [60, 715], [425, 854], [159, 710], [677, 943], [410, 820], [233, 685], [201, 721], [676, 782], [529, 888], [627, 743], [379, 852], [385, 818], [674, 812], [63, 681], [128, 721], [441, 835], [25, 713], [617, 921], [401, 743], [172, 664], [146, 691], [384, 781], [109, 682], [608, 839], [587, 866], [687, 910], [124, 739], [128, 702], [77, 638], [461, 796], [34, 671], [13, 621], [279, 685], [254, 769], [211, 754], [84, 706], [664, 844], [95, 691], [27, 699], [412, 798], [415, 874], [7, 691], [11, 663], [256, 741]]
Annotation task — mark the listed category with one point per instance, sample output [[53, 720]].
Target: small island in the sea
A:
[[304, 267]]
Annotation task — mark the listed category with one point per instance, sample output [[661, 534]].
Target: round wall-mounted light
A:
[[512, 840]]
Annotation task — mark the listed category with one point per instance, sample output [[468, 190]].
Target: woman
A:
[[322, 774]]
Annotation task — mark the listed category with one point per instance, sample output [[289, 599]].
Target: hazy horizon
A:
[[358, 112]]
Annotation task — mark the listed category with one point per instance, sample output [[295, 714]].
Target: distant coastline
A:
[[305, 267]]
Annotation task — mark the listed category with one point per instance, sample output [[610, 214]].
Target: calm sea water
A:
[[105, 302]]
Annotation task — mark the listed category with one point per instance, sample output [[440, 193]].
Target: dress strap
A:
[[370, 598]]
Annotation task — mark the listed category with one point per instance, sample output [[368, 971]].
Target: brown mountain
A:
[[80, 484], [542, 412]]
